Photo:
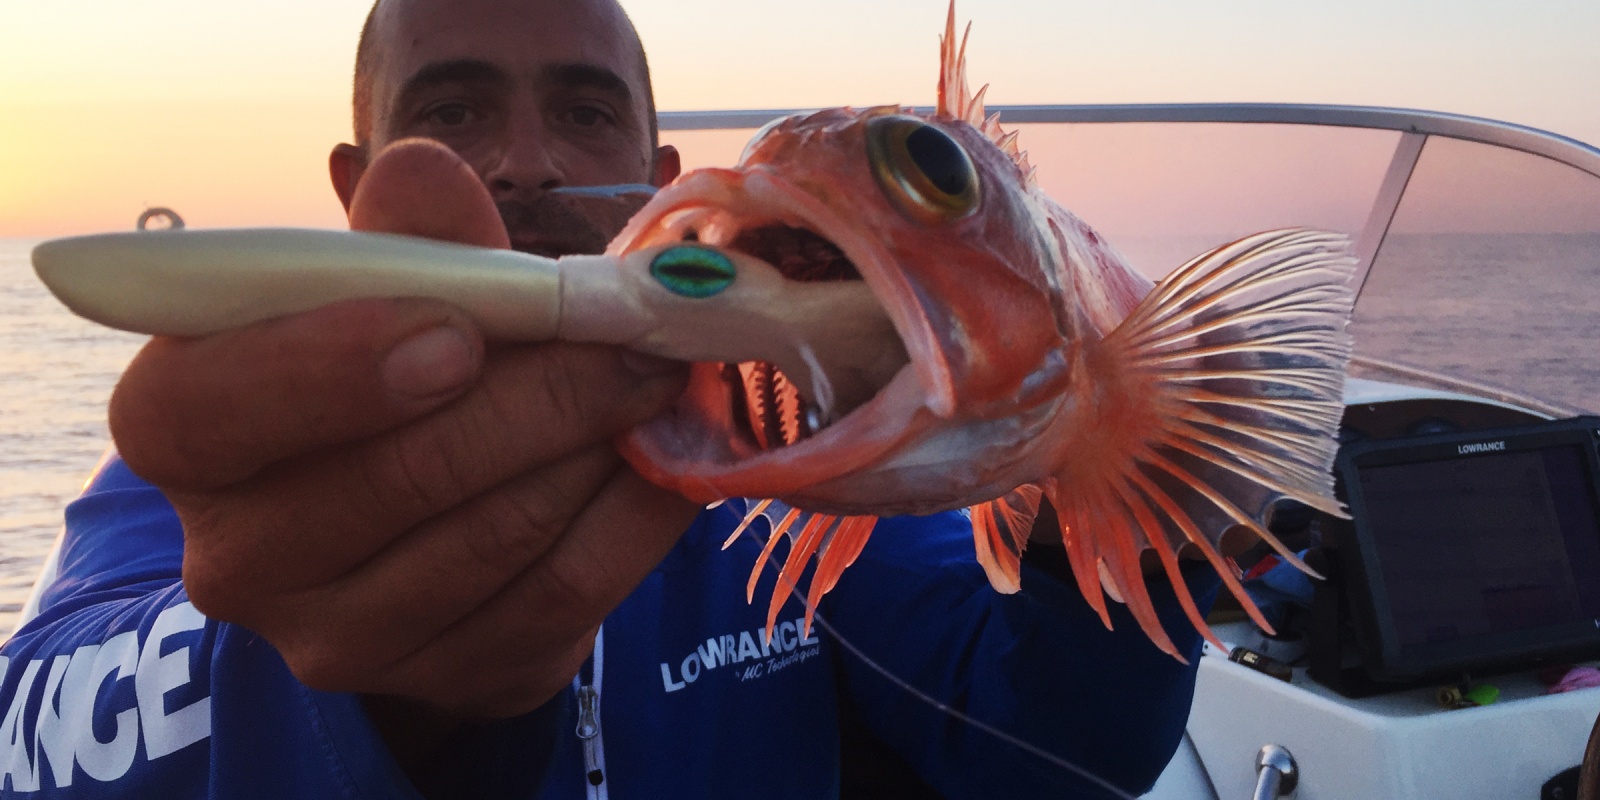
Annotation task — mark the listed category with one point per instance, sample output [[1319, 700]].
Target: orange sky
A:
[[226, 110]]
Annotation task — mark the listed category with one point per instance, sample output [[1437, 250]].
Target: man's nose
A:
[[524, 160]]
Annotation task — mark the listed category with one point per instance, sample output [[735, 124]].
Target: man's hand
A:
[[398, 509]]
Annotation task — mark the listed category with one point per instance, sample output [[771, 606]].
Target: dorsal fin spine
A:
[[956, 102]]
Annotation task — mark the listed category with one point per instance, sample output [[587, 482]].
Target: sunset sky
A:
[[226, 110]]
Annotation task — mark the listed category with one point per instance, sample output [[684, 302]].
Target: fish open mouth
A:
[[767, 407], [748, 429], [799, 253]]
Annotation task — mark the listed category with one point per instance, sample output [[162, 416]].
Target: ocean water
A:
[[56, 374], [1520, 312]]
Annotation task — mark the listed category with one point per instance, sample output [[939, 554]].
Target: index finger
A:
[[208, 412]]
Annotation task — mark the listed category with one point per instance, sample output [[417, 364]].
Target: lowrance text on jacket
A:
[[73, 709], [770, 655]]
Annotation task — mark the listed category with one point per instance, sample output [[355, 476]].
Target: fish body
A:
[[1040, 364]]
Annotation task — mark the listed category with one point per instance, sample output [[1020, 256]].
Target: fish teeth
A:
[[787, 407], [771, 407]]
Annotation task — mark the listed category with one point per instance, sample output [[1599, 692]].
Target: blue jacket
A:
[[120, 688]]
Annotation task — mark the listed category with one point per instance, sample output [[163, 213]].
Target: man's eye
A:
[[588, 116], [449, 115]]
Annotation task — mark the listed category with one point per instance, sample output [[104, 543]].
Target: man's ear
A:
[[668, 165], [346, 164]]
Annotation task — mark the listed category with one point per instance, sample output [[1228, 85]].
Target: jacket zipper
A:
[[594, 751]]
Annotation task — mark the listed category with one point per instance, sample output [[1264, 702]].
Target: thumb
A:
[[419, 187]]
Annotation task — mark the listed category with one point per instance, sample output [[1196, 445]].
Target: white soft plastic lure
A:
[[193, 283]]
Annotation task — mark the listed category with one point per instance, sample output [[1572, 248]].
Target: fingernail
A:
[[648, 366], [430, 363]]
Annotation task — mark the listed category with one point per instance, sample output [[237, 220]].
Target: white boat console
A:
[[1346, 732], [1398, 745]]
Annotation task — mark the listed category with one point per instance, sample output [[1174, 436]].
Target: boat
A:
[[1479, 299]]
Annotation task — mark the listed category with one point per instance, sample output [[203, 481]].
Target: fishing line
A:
[[976, 723], [821, 387], [615, 190], [1034, 750]]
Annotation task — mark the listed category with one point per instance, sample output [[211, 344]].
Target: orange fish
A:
[[1039, 364]]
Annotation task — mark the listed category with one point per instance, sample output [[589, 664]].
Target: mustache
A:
[[547, 224]]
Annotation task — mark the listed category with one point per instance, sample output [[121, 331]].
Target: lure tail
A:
[[1218, 395]]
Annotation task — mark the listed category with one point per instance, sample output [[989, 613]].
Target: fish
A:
[[1039, 364]]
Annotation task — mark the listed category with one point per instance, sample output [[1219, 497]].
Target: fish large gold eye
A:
[[927, 174]]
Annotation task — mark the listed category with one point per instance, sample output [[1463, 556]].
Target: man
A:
[[404, 539]]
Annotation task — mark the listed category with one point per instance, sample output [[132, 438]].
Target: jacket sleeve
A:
[[1037, 666], [120, 688]]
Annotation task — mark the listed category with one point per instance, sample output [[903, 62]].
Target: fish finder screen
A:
[[1486, 544]]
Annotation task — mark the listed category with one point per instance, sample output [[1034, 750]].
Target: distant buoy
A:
[[174, 222]]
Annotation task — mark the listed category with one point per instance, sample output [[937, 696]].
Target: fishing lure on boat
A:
[[885, 315]]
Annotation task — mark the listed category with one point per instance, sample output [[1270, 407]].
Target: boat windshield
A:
[[1489, 273], [1481, 261]]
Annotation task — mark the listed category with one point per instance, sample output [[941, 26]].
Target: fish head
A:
[[948, 233]]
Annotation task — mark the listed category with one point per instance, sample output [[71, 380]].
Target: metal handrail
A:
[[1554, 146]]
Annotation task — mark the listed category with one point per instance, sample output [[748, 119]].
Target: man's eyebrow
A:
[[578, 75], [464, 70]]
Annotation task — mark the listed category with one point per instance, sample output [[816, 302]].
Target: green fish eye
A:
[[697, 272]]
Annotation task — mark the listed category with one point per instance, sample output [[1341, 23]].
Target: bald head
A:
[[385, 24], [533, 95]]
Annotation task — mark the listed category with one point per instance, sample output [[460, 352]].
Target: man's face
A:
[[532, 94]]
